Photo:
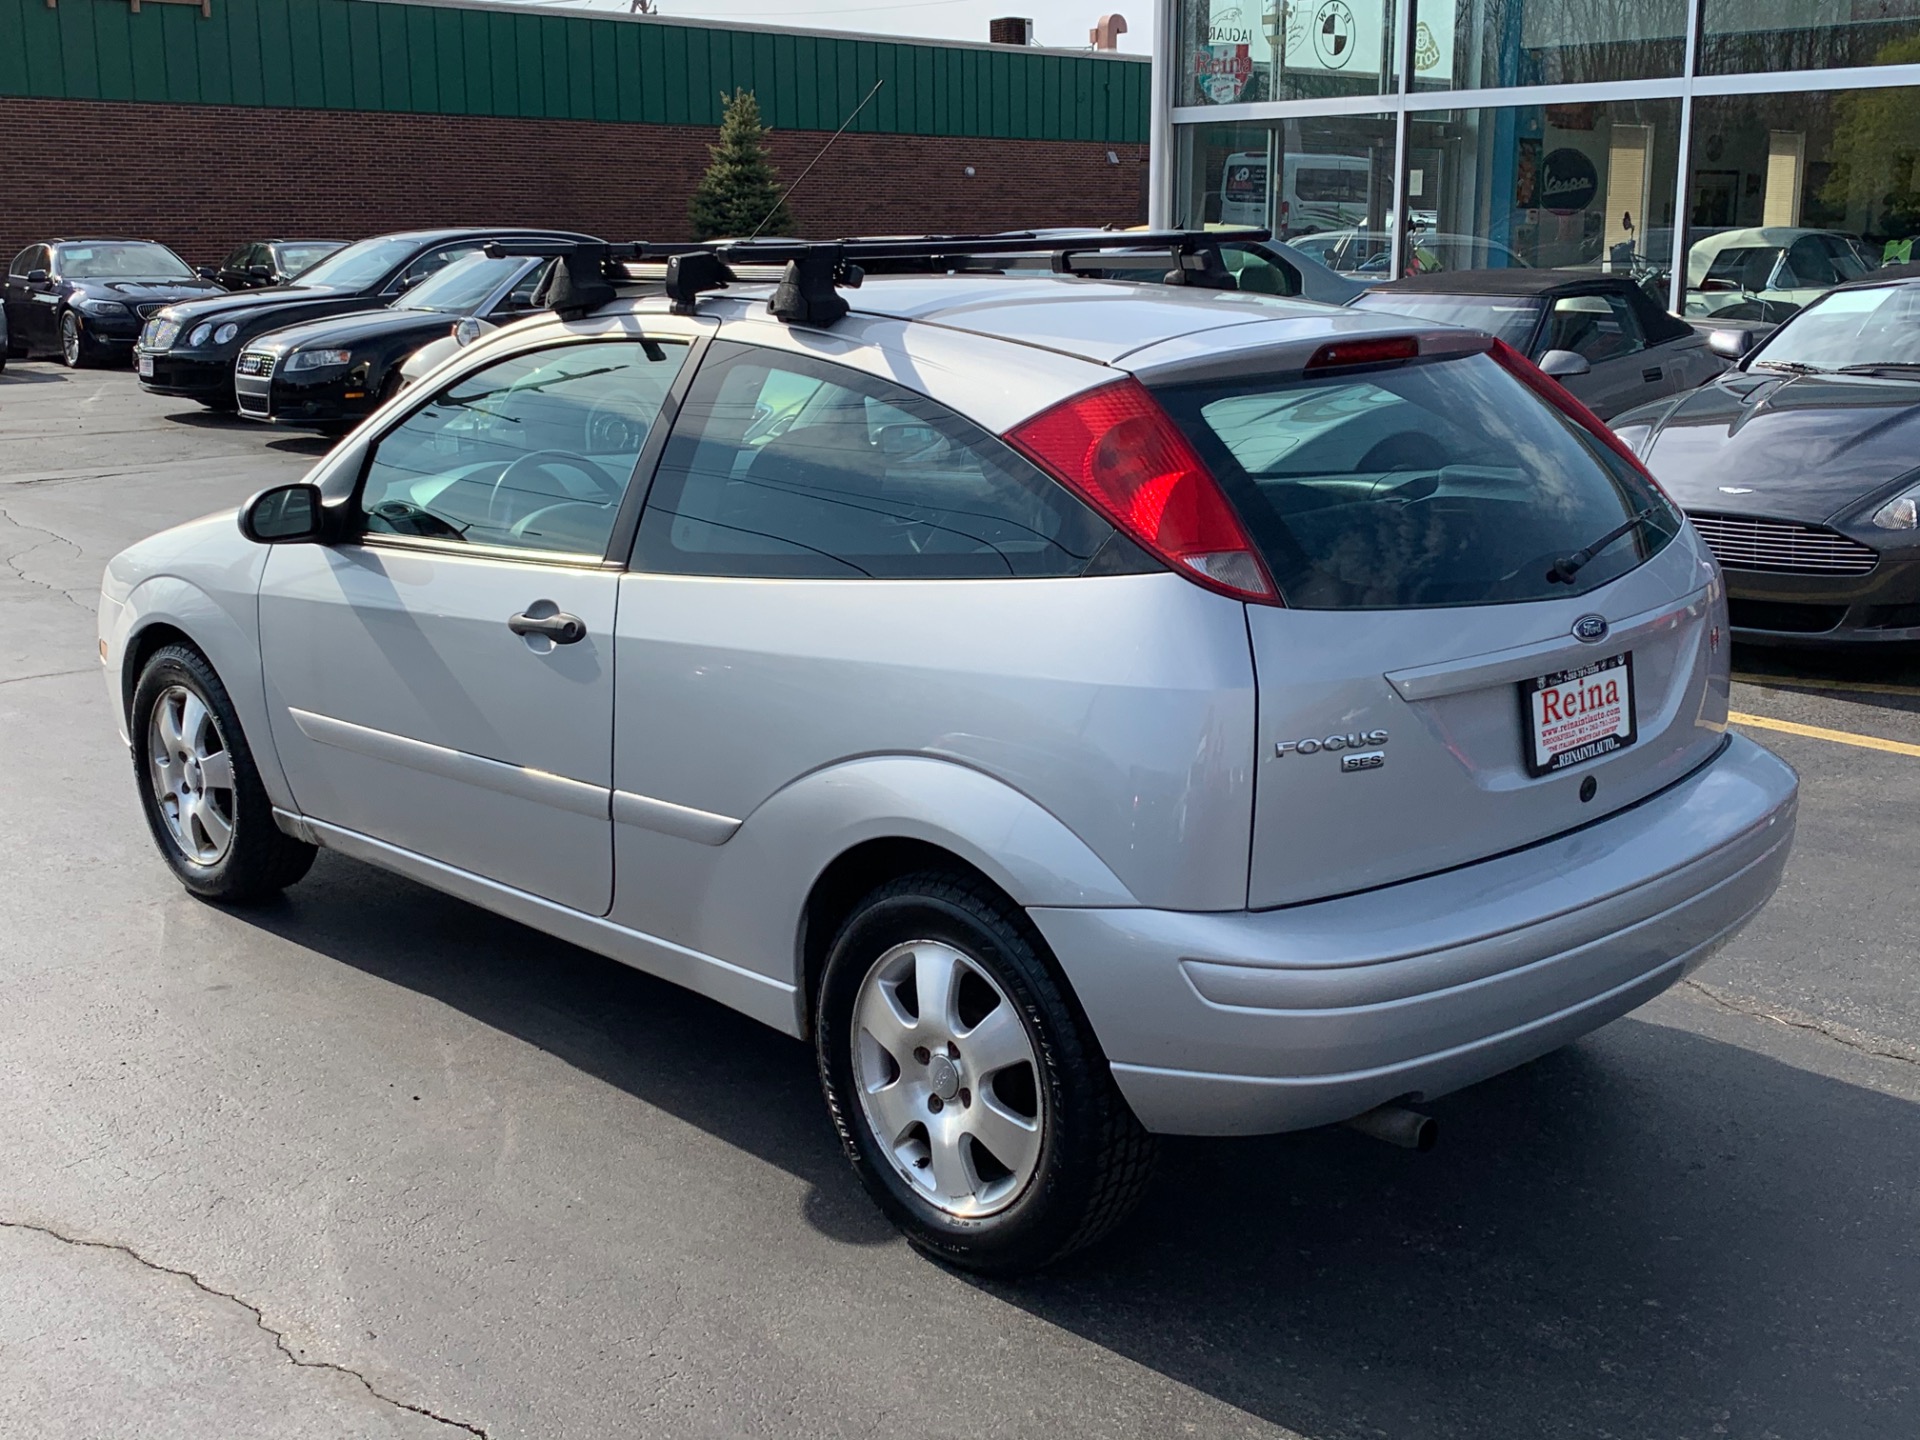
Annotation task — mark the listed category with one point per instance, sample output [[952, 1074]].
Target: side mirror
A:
[[206, 272], [284, 515], [260, 272], [37, 277], [1732, 344], [1564, 364]]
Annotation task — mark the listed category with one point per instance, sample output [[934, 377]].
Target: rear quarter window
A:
[[1435, 483]]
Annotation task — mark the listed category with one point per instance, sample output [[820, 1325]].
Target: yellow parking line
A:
[[1791, 682], [1820, 732]]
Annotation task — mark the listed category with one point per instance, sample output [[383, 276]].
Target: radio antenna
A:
[[816, 160]]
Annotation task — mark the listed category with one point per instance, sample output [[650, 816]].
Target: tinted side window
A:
[[1598, 327], [23, 262], [780, 465], [435, 260], [534, 452]]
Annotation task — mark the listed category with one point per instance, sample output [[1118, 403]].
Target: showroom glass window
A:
[[1791, 194], [1586, 186], [1740, 37], [1329, 180], [1241, 52], [1489, 44]]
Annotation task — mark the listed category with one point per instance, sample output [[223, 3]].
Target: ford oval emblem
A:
[[1591, 628]]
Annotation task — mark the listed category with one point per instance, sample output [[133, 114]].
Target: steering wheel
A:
[[403, 517], [550, 461]]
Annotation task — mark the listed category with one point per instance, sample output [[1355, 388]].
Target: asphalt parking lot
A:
[[370, 1162]]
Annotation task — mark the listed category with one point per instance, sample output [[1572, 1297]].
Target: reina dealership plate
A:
[[1573, 716], [146, 366]]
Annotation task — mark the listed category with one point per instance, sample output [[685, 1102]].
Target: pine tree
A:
[[740, 186]]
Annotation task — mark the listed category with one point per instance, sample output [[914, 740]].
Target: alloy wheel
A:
[[70, 339], [192, 775], [948, 1079]]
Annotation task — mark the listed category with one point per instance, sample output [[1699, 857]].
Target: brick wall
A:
[[204, 178]]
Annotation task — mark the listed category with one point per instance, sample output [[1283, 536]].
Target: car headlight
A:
[[319, 359], [225, 333], [200, 334], [105, 309], [1900, 513]]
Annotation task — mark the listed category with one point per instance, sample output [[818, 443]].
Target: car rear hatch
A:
[[1434, 688]]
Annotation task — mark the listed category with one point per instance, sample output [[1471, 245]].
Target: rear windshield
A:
[[1442, 482], [1505, 317]]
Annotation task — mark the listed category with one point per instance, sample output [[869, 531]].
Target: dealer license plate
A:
[[146, 366], [1574, 716]]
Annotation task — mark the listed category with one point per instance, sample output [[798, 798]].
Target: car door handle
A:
[[562, 629], [1651, 374]]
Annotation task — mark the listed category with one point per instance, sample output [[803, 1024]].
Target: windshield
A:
[[1445, 482], [296, 258], [465, 283], [1879, 325], [360, 264], [118, 260], [1505, 317]]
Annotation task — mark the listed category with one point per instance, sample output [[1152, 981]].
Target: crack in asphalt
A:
[[1794, 1020], [53, 537], [49, 675], [279, 1339]]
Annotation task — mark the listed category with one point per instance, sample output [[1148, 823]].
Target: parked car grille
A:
[[158, 334], [1783, 616], [147, 310], [255, 362], [1782, 547]]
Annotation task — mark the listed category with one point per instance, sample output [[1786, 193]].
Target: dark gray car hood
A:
[[1807, 447]]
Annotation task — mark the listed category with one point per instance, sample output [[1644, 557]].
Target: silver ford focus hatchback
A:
[[1085, 711]]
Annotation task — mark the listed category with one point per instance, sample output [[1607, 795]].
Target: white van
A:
[[1317, 192]]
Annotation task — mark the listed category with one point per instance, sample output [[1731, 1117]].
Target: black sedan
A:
[[334, 371], [261, 263], [1801, 469], [84, 300], [189, 349]]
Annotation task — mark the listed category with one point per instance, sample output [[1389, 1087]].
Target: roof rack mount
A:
[[816, 270]]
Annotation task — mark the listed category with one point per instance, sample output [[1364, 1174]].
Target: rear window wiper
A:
[[1568, 566]]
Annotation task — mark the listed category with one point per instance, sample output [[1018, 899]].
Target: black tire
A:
[[1095, 1160], [76, 351], [260, 859]]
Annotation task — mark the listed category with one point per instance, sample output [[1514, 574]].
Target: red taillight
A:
[[1120, 452], [1563, 400], [1372, 350]]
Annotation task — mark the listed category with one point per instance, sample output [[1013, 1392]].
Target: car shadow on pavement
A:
[[314, 445], [14, 375], [1833, 672], [1649, 1233]]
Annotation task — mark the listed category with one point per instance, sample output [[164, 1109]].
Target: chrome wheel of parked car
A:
[[200, 788], [946, 1077], [192, 775], [969, 1093], [73, 345]]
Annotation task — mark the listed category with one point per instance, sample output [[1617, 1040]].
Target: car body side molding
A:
[[575, 796], [683, 822]]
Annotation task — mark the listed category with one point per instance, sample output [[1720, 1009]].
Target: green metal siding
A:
[[362, 55]]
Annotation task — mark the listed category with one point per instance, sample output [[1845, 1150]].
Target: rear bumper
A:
[[1261, 1021]]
